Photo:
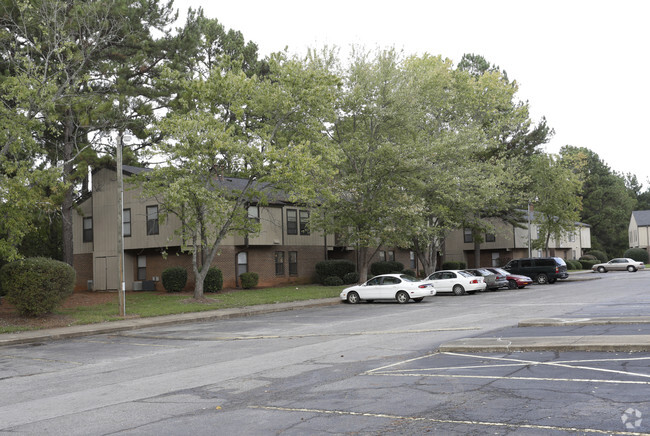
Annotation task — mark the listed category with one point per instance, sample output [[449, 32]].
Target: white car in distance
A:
[[400, 287], [456, 281]]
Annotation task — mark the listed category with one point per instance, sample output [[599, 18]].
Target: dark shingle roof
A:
[[274, 196], [642, 217]]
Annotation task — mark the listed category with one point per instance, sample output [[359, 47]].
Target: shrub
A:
[[453, 264], [599, 255], [386, 267], [409, 272], [38, 285], [249, 280], [588, 257], [174, 279], [337, 267], [638, 254], [351, 278], [213, 280], [573, 264], [587, 264], [333, 281]]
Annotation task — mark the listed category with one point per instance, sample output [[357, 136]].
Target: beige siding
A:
[[85, 209]]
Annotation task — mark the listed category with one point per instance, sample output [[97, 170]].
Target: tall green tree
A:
[[263, 131], [558, 203], [65, 51], [454, 180], [607, 202], [369, 205], [511, 139]]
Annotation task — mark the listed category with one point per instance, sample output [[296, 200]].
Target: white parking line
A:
[[430, 371], [496, 377], [558, 364], [450, 421]]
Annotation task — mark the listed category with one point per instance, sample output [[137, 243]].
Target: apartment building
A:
[[284, 252]]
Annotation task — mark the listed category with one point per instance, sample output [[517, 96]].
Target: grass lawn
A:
[[149, 304]]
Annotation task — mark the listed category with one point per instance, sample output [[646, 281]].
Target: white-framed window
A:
[[142, 267], [467, 235], [304, 222], [242, 263], [254, 213], [293, 263], [88, 229], [279, 263], [152, 220], [126, 222], [292, 222]]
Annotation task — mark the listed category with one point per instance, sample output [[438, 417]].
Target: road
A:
[[367, 369]]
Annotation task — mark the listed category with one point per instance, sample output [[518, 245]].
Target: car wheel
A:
[[542, 279], [458, 290], [601, 269], [417, 300], [631, 268], [353, 298], [522, 287], [512, 284], [402, 297]]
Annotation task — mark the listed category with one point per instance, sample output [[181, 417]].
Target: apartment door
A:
[[105, 274]]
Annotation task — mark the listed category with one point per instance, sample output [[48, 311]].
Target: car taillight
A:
[[474, 282], [557, 269]]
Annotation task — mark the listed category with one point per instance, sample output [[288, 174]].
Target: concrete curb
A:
[[556, 322], [621, 343], [137, 323]]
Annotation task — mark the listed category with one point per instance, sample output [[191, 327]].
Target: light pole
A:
[[530, 253], [121, 292]]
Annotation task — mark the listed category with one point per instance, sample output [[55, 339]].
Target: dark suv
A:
[[541, 269]]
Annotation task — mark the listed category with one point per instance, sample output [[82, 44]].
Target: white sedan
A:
[[456, 281], [619, 264], [400, 287]]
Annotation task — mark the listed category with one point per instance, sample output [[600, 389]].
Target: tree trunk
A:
[[66, 207], [363, 264], [477, 254]]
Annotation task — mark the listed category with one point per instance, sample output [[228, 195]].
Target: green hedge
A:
[[213, 280], [638, 254], [249, 280], [336, 267], [36, 286], [587, 264], [600, 255], [573, 265], [351, 278], [452, 264], [333, 281], [174, 279], [386, 267]]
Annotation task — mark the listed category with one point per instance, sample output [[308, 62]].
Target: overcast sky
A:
[[584, 65]]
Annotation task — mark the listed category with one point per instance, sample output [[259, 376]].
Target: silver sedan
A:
[[619, 264]]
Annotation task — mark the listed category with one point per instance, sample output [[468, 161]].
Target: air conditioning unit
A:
[[89, 285], [137, 286]]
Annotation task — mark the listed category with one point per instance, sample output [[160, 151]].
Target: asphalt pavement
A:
[[626, 334]]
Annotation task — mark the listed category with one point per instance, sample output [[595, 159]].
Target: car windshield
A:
[[465, 274], [408, 278], [500, 271], [560, 261]]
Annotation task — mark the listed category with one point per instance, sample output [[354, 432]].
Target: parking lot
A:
[[348, 369]]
